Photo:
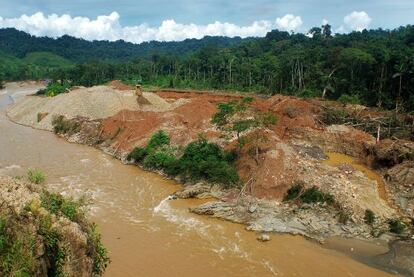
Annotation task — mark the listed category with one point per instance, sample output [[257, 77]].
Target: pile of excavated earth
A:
[[94, 103], [112, 118]]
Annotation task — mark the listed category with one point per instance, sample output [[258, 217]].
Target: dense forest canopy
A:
[[20, 44], [372, 67]]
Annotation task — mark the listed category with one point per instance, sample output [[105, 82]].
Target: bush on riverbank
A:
[[308, 196], [36, 176], [200, 160]]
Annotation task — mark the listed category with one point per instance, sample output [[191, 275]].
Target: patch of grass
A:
[[36, 176], [397, 226], [369, 217], [57, 204]]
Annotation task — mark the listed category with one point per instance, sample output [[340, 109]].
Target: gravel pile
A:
[[94, 103]]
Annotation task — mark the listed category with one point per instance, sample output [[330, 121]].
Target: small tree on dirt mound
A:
[[237, 118]]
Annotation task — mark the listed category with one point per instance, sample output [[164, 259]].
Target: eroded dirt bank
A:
[[293, 151]]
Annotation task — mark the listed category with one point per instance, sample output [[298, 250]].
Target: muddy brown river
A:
[[147, 235]]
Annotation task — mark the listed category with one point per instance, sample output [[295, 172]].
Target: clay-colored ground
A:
[[125, 124]]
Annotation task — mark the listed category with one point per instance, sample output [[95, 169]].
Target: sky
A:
[[174, 20]]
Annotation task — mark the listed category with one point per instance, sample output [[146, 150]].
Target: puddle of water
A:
[[337, 159]]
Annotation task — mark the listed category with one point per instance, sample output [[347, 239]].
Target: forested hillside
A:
[[372, 67], [20, 44]]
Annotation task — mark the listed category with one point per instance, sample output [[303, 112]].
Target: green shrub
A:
[[54, 89], [56, 203], [200, 160], [397, 226], [314, 195], [225, 110], [36, 176], [137, 154], [204, 160], [293, 192], [369, 217], [159, 160], [268, 119], [349, 99], [160, 138]]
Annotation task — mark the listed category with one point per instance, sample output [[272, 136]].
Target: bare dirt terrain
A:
[[292, 152]]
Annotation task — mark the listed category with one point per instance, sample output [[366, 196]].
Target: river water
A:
[[148, 235]]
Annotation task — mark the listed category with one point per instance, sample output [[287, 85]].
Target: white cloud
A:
[[324, 22], [108, 27], [289, 22], [357, 21], [340, 30]]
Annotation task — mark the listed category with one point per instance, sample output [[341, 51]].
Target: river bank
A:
[[43, 233], [164, 207]]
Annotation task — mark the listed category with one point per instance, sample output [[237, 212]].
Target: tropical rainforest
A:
[[372, 67]]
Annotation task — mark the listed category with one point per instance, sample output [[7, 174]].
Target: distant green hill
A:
[[46, 59], [7, 60], [20, 44], [35, 65], [10, 66]]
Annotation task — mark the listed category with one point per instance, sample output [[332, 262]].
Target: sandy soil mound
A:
[[127, 129], [93, 103]]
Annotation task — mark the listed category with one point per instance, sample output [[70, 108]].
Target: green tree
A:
[[327, 30]]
